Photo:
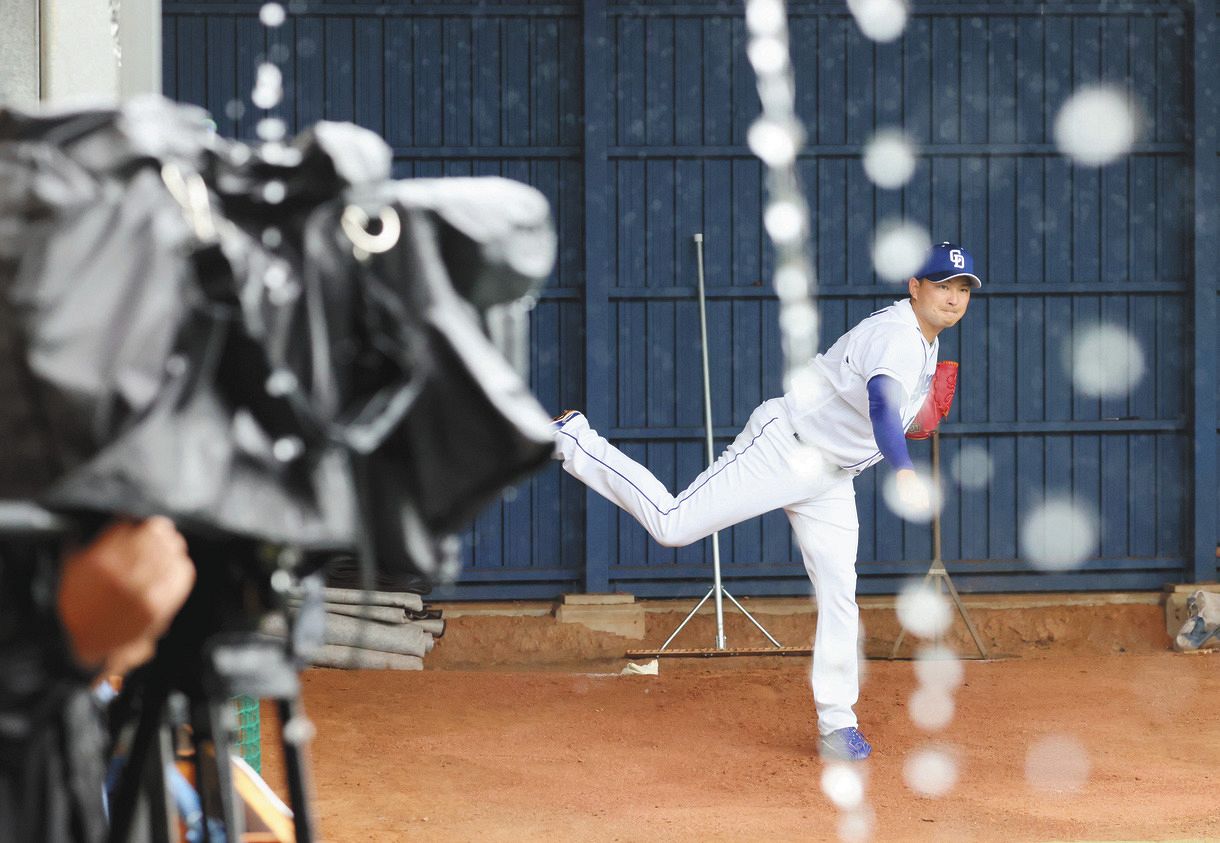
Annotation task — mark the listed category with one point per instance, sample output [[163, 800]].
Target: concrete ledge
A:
[[494, 608], [596, 599], [797, 605], [617, 614]]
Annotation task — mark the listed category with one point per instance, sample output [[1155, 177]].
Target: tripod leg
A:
[[974, 633], [200, 778], [219, 712], [686, 620], [902, 633], [292, 717], [751, 618], [141, 796]]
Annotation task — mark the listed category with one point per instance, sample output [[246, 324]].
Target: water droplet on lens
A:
[[784, 221], [1105, 361], [765, 17], [931, 709], [271, 129], [972, 467], [843, 785], [879, 20], [272, 15], [1057, 763], [889, 159], [1059, 535], [938, 667], [1096, 125], [922, 610], [768, 55], [900, 249], [930, 772], [274, 192]]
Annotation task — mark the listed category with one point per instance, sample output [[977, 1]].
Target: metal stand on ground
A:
[[937, 573], [717, 590]]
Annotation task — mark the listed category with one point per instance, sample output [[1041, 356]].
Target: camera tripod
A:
[[213, 653]]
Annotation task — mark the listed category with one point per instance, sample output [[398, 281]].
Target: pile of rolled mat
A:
[[372, 630]]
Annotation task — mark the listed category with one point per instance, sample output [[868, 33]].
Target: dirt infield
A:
[[725, 750]]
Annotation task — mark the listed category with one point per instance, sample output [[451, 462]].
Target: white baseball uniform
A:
[[798, 453]]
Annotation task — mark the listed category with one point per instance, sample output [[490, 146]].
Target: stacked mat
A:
[[373, 630]]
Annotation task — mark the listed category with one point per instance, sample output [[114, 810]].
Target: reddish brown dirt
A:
[[725, 749]]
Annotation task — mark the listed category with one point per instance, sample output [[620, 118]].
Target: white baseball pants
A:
[[765, 468]]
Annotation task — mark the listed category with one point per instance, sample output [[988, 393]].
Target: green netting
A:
[[248, 732]]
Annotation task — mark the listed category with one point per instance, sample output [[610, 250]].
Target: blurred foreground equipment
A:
[[275, 343], [285, 351]]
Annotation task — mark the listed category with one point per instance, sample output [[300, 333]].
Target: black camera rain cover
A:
[[136, 349]]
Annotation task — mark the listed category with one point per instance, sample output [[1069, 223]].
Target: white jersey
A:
[[829, 407]]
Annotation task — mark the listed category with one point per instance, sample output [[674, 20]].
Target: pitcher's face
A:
[[940, 305]]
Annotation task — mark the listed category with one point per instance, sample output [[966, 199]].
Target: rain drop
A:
[[930, 772], [1057, 763], [889, 159], [879, 20], [271, 129], [791, 281], [798, 319], [776, 144], [765, 17], [972, 467], [1059, 535], [784, 221], [938, 667], [1106, 361], [899, 250], [274, 192], [1096, 126], [931, 709], [843, 785], [768, 55], [856, 826], [272, 15], [923, 611]]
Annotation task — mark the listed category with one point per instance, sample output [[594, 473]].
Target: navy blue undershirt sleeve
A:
[[884, 395]]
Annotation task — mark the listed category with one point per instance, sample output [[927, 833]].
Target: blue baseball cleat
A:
[[846, 745]]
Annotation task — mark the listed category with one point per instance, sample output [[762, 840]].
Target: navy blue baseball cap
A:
[[949, 260]]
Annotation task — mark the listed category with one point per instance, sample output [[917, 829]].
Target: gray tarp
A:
[[351, 658], [406, 638]]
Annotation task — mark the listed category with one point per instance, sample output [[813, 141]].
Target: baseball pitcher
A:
[[800, 453]]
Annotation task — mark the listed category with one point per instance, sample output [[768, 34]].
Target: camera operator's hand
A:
[[118, 594]]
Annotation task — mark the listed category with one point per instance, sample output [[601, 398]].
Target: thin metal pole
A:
[[936, 551], [711, 453], [717, 586]]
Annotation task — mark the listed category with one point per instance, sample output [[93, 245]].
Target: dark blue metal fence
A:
[[632, 119]]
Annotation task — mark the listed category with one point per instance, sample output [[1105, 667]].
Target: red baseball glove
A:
[[940, 399]]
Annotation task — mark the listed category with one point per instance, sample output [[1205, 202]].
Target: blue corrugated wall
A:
[[632, 117]]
